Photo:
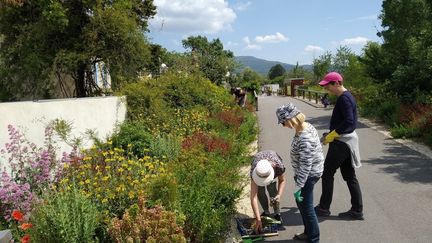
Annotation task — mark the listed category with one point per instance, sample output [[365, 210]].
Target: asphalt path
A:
[[396, 183]]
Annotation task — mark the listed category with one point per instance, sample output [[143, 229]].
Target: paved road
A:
[[396, 182]]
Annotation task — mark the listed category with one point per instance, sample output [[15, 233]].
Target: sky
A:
[[289, 31]]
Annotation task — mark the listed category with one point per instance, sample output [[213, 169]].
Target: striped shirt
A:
[[273, 158], [307, 156]]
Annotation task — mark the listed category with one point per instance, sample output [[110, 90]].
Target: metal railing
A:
[[310, 94]]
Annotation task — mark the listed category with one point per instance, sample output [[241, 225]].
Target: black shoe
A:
[[320, 212], [278, 218], [265, 215], [302, 237], [351, 214]]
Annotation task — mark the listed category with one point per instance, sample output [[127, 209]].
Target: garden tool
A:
[[251, 239]]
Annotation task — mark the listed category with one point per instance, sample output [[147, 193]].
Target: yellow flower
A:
[[104, 200]]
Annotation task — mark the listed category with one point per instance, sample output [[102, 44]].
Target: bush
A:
[[112, 177], [165, 147], [64, 217], [206, 198], [142, 224], [132, 136], [403, 131]]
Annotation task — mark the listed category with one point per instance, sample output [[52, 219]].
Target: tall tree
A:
[[46, 41], [276, 71], [407, 46], [322, 65], [341, 60], [215, 62]]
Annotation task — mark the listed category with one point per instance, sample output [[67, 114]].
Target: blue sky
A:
[[288, 31]]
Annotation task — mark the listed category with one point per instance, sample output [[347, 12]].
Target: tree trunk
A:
[[80, 81]]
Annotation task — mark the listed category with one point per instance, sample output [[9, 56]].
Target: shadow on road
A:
[[320, 123], [407, 164]]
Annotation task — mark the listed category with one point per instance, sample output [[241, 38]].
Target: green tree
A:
[[341, 60], [276, 71], [407, 46], [215, 62], [376, 63], [250, 80], [322, 65], [48, 41]]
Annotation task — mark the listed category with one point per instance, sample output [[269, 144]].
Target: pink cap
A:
[[331, 77]]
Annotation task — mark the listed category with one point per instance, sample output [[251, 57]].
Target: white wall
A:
[[100, 114]]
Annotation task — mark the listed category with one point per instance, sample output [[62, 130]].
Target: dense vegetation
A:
[[158, 178]]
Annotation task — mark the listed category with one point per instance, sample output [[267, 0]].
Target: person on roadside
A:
[[267, 173], [307, 160], [343, 149], [240, 96], [325, 100]]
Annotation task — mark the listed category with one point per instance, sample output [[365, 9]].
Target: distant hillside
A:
[[262, 66]]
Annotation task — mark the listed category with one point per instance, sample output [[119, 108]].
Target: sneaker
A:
[[278, 218], [301, 236], [322, 212], [351, 214]]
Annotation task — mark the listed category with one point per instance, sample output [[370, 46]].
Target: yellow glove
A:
[[330, 137]]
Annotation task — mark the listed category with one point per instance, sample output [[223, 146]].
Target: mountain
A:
[[262, 66]]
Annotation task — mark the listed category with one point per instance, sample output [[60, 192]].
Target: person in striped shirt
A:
[[307, 160]]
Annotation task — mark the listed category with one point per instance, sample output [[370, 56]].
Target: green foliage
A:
[[407, 47], [64, 217], [163, 190], [276, 71], [142, 224], [132, 135], [165, 146], [249, 79], [321, 65], [248, 129], [207, 199], [213, 60], [403, 131], [48, 42]]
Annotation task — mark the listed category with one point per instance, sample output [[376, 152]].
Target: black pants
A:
[[339, 156]]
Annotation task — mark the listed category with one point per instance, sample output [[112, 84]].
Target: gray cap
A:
[[286, 112]]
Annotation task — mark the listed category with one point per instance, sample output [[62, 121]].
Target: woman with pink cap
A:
[[343, 149]]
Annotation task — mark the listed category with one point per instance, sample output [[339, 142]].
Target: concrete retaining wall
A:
[[100, 114]]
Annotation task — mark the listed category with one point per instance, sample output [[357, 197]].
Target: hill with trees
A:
[[263, 66]]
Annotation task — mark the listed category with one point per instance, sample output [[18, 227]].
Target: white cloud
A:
[[311, 48], [355, 41], [191, 16], [278, 37], [230, 43], [368, 17], [250, 45], [242, 6]]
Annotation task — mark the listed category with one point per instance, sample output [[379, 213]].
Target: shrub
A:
[[67, 216], [205, 197], [112, 177], [31, 171], [142, 224], [132, 136], [165, 147], [209, 143]]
